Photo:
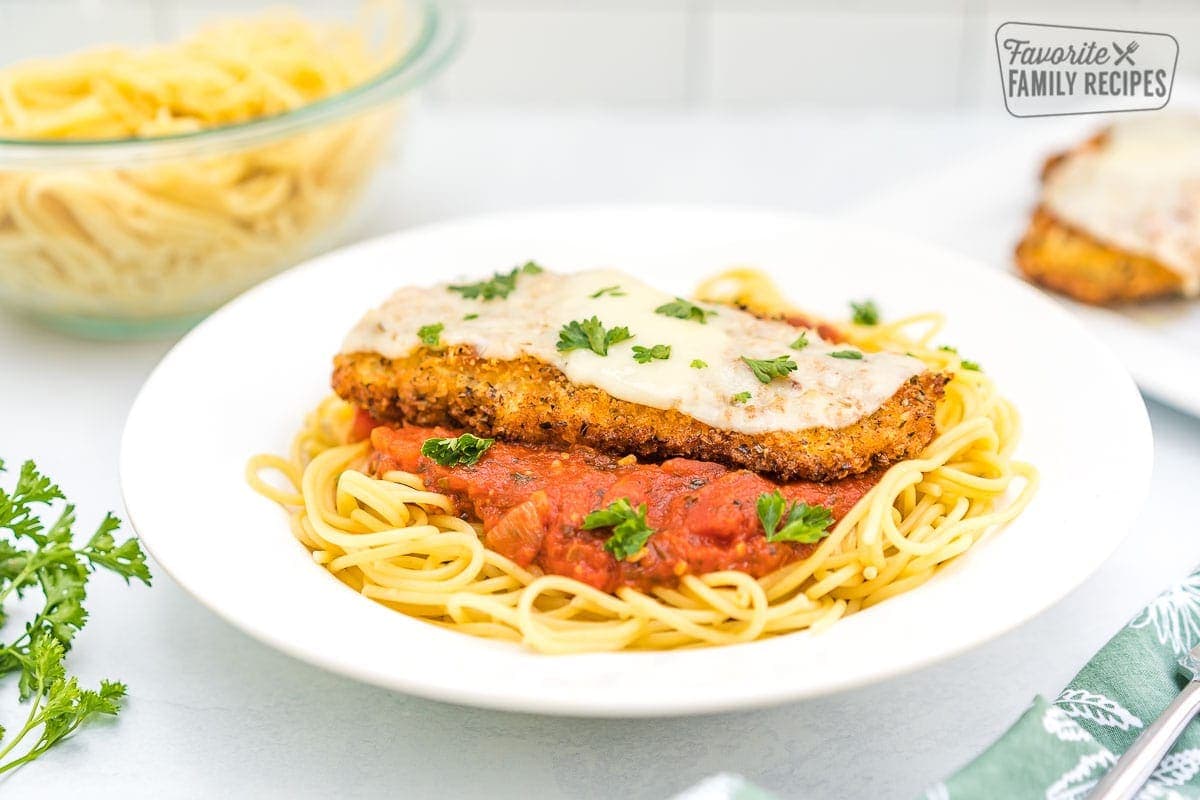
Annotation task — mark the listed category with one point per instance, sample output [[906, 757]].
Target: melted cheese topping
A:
[[1139, 191], [823, 391]]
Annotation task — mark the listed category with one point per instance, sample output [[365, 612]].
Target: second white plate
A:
[[981, 207]]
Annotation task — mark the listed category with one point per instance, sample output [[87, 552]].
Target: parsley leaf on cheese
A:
[[590, 334], [767, 369], [499, 286], [685, 309], [644, 355], [430, 335]]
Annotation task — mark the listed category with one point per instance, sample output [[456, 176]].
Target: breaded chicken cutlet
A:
[[526, 400], [1119, 216], [601, 359]]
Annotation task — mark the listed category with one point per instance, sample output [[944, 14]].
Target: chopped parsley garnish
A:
[[685, 309], [611, 291], [629, 529], [460, 452], [801, 341], [740, 397], [865, 313], [499, 286], [698, 364], [964, 363], [767, 369], [470, 316], [644, 355], [430, 335], [590, 334], [800, 523], [853, 355]]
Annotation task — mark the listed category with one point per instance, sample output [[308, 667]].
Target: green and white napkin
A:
[[1058, 750]]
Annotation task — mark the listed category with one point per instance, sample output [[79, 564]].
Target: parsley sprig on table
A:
[[43, 560], [800, 523], [590, 334], [630, 532]]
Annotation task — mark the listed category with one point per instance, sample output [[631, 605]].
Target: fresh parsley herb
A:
[[629, 529], [590, 334], [865, 313], [644, 355], [611, 291], [853, 355], [685, 309], [740, 398], [470, 316], [971, 365], [462, 451], [698, 364], [430, 335], [948, 348], [767, 369], [801, 523], [801, 341], [35, 558], [499, 286]]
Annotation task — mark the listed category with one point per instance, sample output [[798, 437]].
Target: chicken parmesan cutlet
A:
[[601, 359], [1119, 215]]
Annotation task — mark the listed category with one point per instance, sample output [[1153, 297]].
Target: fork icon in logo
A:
[[1126, 55]]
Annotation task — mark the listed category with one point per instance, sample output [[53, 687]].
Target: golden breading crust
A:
[[527, 400], [1068, 260]]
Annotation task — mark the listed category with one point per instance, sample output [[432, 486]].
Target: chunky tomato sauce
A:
[[532, 502]]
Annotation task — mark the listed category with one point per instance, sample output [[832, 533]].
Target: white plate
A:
[[981, 207], [242, 381]]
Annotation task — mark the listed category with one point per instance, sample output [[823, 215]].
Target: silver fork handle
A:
[[1134, 768]]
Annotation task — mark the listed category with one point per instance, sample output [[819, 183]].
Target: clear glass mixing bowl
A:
[[144, 236]]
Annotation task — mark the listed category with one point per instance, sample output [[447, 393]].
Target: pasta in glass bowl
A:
[[141, 187]]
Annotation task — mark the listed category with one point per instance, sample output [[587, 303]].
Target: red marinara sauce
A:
[[532, 501]]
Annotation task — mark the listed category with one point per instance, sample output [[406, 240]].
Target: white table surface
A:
[[213, 713]]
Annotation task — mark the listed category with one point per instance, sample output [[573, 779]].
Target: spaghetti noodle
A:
[[181, 233], [399, 544]]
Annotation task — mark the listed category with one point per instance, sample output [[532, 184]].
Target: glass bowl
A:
[[133, 237]]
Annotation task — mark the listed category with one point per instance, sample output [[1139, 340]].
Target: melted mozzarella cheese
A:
[[1139, 191], [823, 390]]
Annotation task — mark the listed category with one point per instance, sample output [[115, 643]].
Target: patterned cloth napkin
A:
[[1059, 750]]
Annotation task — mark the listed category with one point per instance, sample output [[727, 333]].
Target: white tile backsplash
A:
[[744, 54], [590, 53], [832, 57]]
